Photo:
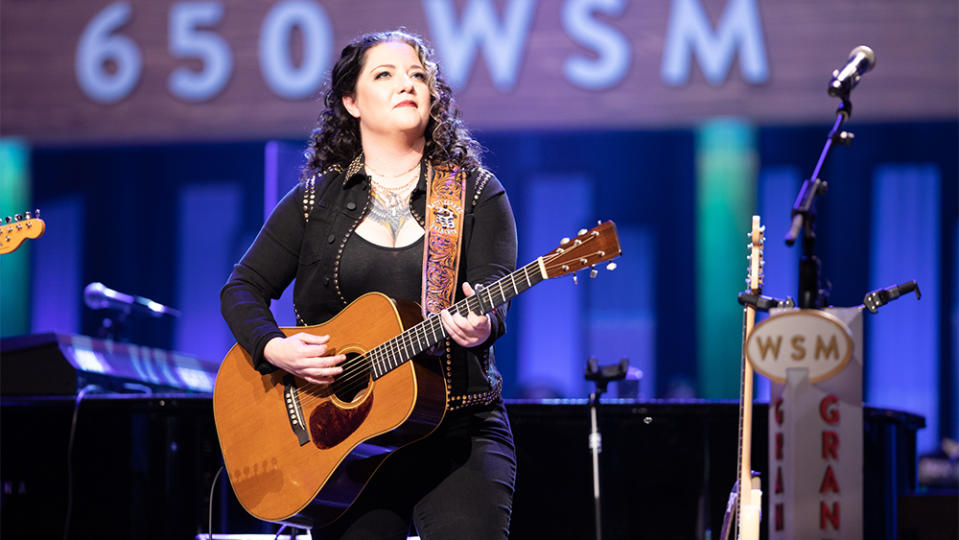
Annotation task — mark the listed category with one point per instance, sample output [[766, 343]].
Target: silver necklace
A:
[[391, 206], [374, 173]]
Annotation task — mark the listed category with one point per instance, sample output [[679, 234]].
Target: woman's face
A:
[[392, 93]]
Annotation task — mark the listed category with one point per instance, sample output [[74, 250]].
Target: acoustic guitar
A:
[[301, 453], [745, 500], [14, 232]]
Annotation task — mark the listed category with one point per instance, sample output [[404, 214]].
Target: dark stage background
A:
[[155, 136]]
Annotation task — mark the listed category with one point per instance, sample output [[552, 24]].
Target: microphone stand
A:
[[811, 294], [113, 326], [602, 376]]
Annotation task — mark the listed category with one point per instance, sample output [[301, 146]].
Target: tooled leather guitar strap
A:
[[445, 204]]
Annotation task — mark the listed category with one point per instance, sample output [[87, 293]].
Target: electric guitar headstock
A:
[[588, 249], [757, 240], [14, 231]]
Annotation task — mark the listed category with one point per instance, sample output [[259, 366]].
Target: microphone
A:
[[765, 303], [880, 297], [98, 296], [861, 60]]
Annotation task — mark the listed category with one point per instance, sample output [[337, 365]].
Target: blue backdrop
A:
[[168, 221]]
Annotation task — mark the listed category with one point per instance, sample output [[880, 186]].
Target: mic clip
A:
[[880, 297], [843, 138], [764, 303]]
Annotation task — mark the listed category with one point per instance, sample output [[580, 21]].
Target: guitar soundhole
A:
[[355, 379]]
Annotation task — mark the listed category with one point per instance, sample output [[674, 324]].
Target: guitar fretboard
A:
[[420, 337]]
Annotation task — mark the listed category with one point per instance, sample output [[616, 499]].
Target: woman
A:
[[355, 224]]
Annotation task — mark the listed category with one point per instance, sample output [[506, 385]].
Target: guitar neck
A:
[[747, 522], [420, 337], [746, 411]]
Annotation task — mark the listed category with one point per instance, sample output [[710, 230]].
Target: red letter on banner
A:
[[830, 415], [829, 481], [830, 441], [831, 514]]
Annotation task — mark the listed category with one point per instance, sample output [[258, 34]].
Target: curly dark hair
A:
[[335, 141]]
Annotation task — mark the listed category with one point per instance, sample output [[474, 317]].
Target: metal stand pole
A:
[[596, 446], [601, 375]]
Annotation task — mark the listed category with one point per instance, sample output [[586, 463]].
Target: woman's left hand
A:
[[467, 331]]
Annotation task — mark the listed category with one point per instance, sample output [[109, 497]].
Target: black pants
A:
[[455, 484]]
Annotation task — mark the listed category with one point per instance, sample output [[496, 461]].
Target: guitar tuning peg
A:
[[17, 217], [599, 222], [611, 266], [27, 214], [36, 213], [593, 272], [575, 280], [565, 240], [8, 219], [581, 232]]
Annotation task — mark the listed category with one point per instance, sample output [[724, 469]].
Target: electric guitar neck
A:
[[745, 500]]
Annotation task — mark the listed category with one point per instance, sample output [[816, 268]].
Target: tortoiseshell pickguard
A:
[[331, 425]]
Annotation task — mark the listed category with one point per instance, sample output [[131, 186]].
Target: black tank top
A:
[[395, 272]]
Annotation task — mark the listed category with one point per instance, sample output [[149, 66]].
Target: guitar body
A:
[[311, 477]]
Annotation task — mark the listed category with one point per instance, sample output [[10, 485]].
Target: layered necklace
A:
[[391, 205]]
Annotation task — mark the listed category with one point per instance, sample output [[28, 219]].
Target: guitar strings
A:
[[356, 371]]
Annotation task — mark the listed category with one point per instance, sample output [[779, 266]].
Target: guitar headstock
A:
[[589, 248], [757, 240], [14, 231]]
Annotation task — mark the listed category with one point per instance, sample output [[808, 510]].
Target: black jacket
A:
[[304, 238]]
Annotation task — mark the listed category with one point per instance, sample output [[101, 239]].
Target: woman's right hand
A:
[[302, 355]]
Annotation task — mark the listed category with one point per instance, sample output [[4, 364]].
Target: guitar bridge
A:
[[293, 410]]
